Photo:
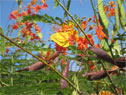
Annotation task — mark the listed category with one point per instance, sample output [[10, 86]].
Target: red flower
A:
[[29, 11], [16, 26], [91, 27], [29, 24], [60, 48], [13, 15], [37, 8], [34, 37], [24, 13], [44, 6], [7, 50]]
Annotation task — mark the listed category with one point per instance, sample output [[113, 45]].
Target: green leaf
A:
[[56, 4], [59, 19], [122, 15], [2, 42], [68, 6], [40, 35], [104, 45], [102, 15], [19, 33], [117, 47], [9, 26], [117, 18], [27, 39], [19, 3], [41, 18], [75, 79]]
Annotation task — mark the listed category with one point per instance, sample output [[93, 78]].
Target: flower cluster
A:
[[104, 93], [110, 9], [26, 27]]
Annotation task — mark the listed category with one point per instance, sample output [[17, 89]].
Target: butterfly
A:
[[61, 38]]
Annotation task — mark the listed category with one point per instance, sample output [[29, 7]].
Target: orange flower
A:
[[80, 43], [84, 25], [73, 37], [91, 27], [13, 15], [37, 28], [63, 61], [67, 27], [89, 19], [83, 42], [106, 93], [91, 65], [111, 12], [106, 8], [98, 46], [44, 6], [24, 13], [37, 8], [111, 3], [99, 32], [43, 1], [91, 39], [33, 2]]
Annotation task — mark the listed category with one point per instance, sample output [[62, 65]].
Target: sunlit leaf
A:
[[27, 39], [102, 15], [75, 80], [2, 42], [122, 15], [40, 35], [61, 38], [56, 4], [117, 18]]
